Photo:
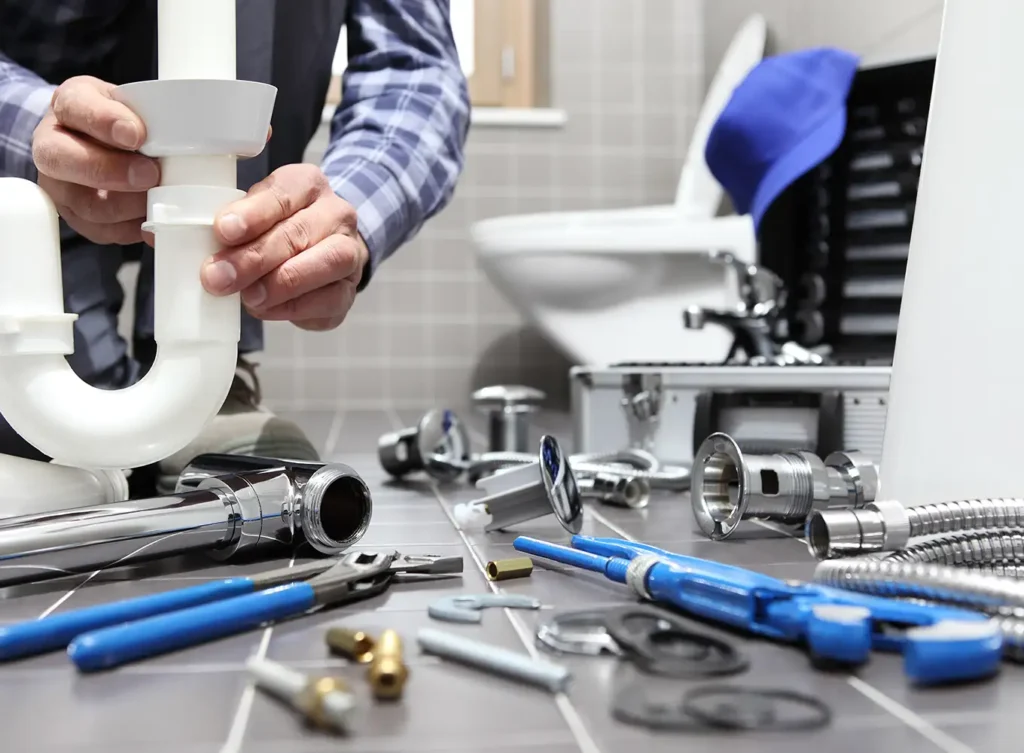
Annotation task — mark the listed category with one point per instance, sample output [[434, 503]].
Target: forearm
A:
[[24, 99], [398, 136]]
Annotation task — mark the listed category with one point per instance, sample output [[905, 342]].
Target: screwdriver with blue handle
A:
[[939, 644]]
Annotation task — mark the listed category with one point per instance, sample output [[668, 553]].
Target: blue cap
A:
[[786, 117]]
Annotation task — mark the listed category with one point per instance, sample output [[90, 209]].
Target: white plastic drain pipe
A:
[[198, 118], [30, 487]]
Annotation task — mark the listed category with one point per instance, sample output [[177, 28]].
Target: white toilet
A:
[[611, 286]]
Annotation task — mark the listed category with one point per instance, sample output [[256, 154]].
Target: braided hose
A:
[[886, 525], [965, 515], [999, 596], [977, 550]]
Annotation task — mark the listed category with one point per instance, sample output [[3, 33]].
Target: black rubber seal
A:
[[634, 704], [659, 644], [754, 709]]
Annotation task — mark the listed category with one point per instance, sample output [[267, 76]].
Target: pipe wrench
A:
[[939, 644]]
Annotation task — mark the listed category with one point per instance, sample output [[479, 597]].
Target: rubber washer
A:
[[761, 712], [656, 649], [633, 704]]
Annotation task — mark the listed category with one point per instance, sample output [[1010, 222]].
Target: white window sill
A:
[[502, 117]]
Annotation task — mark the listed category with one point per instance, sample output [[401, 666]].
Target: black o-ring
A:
[[712, 657], [633, 705], [821, 717]]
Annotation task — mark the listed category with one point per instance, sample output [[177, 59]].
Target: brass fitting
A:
[[352, 644], [325, 702], [517, 567], [387, 672]]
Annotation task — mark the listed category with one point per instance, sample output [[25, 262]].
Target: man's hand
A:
[[292, 249], [83, 149]]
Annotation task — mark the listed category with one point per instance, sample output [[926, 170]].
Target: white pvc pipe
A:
[[196, 333], [30, 487], [953, 429]]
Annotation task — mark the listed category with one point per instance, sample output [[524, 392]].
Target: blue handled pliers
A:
[[108, 635], [939, 644]]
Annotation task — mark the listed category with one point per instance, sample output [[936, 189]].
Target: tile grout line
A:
[[942, 740], [584, 741], [334, 433], [236, 733]]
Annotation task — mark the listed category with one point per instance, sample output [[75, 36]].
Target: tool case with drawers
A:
[[839, 236], [668, 409]]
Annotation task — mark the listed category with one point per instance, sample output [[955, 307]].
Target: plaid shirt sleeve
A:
[[24, 99], [397, 138]]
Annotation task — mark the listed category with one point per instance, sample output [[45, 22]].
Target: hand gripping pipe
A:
[[199, 119], [329, 507], [888, 526]]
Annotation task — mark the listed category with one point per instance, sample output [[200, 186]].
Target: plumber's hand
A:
[[292, 249], [83, 148]]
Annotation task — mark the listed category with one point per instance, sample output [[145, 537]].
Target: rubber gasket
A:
[[761, 713], [632, 704], [650, 649]]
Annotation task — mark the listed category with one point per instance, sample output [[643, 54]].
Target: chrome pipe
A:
[[328, 508]]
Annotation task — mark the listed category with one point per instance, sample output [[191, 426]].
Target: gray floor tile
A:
[[188, 701]]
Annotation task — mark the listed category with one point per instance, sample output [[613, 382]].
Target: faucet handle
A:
[[760, 288]]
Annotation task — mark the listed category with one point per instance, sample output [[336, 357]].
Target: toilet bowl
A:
[[610, 286]]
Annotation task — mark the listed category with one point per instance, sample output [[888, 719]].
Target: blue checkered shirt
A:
[[397, 138]]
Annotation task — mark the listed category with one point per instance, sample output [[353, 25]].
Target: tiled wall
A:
[[879, 30], [429, 328]]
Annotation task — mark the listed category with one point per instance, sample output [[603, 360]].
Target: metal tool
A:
[[939, 644], [355, 576], [467, 608], [325, 702], [516, 567], [352, 644], [630, 465], [528, 492], [730, 487], [328, 508], [494, 659], [438, 445], [387, 673], [632, 492], [508, 409]]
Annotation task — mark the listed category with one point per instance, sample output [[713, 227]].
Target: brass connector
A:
[[314, 701], [352, 644], [517, 567], [387, 672]]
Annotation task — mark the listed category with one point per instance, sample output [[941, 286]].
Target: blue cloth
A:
[[785, 118]]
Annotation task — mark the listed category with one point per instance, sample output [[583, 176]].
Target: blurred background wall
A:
[[625, 79]]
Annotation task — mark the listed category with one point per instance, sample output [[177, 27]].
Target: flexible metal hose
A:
[[1001, 597], [886, 525], [974, 550], [965, 515], [632, 463]]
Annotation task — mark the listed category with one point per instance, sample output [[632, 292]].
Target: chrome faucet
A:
[[755, 322]]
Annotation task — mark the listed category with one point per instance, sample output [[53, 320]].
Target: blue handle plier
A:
[[108, 635], [938, 643]]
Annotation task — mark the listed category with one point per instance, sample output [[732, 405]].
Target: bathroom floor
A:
[[199, 700]]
